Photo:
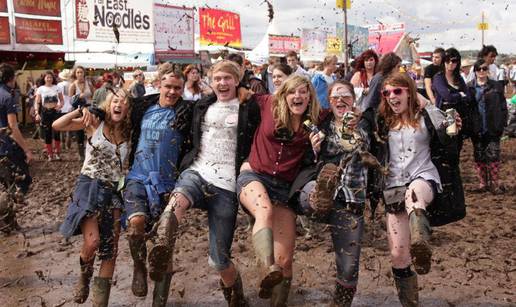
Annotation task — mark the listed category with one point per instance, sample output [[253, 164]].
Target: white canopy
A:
[[106, 60]]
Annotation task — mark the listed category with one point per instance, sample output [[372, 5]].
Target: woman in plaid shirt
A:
[[337, 195]]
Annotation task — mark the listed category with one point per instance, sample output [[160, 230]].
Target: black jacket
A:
[[496, 107], [182, 122], [448, 206], [248, 120]]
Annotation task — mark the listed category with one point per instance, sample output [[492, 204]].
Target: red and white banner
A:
[[279, 44], [38, 7], [94, 20], [173, 32], [219, 28], [5, 31], [38, 31]]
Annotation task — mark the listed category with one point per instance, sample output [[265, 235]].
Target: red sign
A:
[[3, 5], [5, 31], [283, 44], [218, 27], [38, 31], [38, 7]]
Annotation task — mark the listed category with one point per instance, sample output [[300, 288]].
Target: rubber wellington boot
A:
[[139, 254], [493, 169], [280, 293], [234, 295], [163, 248], [82, 288], [161, 290], [482, 176], [420, 249], [264, 249], [100, 291], [407, 290], [343, 296]]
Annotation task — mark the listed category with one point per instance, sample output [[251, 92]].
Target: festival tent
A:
[[260, 53]]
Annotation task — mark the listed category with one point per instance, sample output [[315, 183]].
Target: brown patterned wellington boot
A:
[[163, 248], [280, 293], [101, 289], [343, 296], [325, 186], [82, 288], [420, 249], [407, 290], [271, 274], [138, 250], [234, 295]]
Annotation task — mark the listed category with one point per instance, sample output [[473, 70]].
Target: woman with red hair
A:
[[366, 67]]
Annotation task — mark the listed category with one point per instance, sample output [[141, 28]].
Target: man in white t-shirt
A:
[[222, 133]]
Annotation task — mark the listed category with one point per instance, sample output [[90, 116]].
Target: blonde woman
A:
[[96, 203], [279, 148]]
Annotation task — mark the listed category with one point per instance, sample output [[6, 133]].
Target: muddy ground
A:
[[474, 262]]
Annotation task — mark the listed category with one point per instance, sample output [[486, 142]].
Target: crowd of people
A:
[[280, 143]]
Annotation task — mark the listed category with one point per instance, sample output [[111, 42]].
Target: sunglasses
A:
[[483, 68], [453, 60], [341, 96], [396, 91]]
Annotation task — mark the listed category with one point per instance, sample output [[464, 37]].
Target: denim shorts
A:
[[222, 209], [136, 203], [277, 190]]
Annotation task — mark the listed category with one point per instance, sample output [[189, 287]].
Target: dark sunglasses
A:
[[452, 60], [396, 91], [482, 68]]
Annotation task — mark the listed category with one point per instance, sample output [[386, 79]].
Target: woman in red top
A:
[[280, 144]]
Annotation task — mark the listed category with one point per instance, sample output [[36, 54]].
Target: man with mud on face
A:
[[159, 140], [223, 127]]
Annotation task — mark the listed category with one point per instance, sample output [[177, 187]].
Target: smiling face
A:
[[119, 107], [298, 100], [278, 77], [170, 90], [224, 85], [397, 97], [341, 100], [48, 79]]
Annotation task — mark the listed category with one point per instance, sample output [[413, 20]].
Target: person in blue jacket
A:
[[324, 79]]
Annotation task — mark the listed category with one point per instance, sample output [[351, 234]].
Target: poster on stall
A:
[[173, 32], [282, 44], [384, 38], [38, 31], [97, 20], [41, 7], [3, 6], [219, 28], [313, 45], [5, 31], [358, 38]]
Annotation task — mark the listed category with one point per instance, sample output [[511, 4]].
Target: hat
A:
[[467, 62], [66, 74], [107, 77]]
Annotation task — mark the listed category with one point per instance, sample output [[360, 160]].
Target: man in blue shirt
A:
[[160, 126]]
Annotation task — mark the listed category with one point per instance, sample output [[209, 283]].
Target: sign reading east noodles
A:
[[5, 32], [173, 32], [279, 44], [94, 20], [38, 7], [3, 6], [38, 31], [219, 28]]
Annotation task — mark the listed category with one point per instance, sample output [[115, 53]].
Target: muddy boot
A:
[[482, 176], [420, 249], [234, 295], [139, 254], [407, 290], [101, 289], [343, 296], [326, 183], [82, 288], [492, 170], [161, 289], [264, 249], [280, 293], [163, 248]]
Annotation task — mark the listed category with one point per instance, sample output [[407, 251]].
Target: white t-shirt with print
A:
[[216, 160], [45, 91]]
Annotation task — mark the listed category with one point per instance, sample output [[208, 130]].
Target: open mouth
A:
[[223, 90], [394, 103], [341, 107], [297, 104]]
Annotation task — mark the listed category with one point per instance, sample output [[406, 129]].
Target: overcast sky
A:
[[435, 22]]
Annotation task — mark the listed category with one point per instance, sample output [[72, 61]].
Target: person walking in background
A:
[[293, 62], [81, 91], [431, 70], [64, 87], [102, 92], [137, 88], [323, 80], [365, 68], [192, 90], [493, 114]]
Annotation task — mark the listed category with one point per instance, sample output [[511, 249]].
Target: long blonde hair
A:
[[281, 113], [125, 127]]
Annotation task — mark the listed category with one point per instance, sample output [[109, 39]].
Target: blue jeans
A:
[[222, 210]]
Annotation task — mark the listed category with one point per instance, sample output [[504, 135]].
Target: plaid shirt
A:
[[354, 175]]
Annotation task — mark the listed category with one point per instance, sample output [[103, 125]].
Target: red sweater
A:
[[271, 156]]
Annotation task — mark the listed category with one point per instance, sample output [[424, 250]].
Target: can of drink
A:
[[348, 116], [451, 128]]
